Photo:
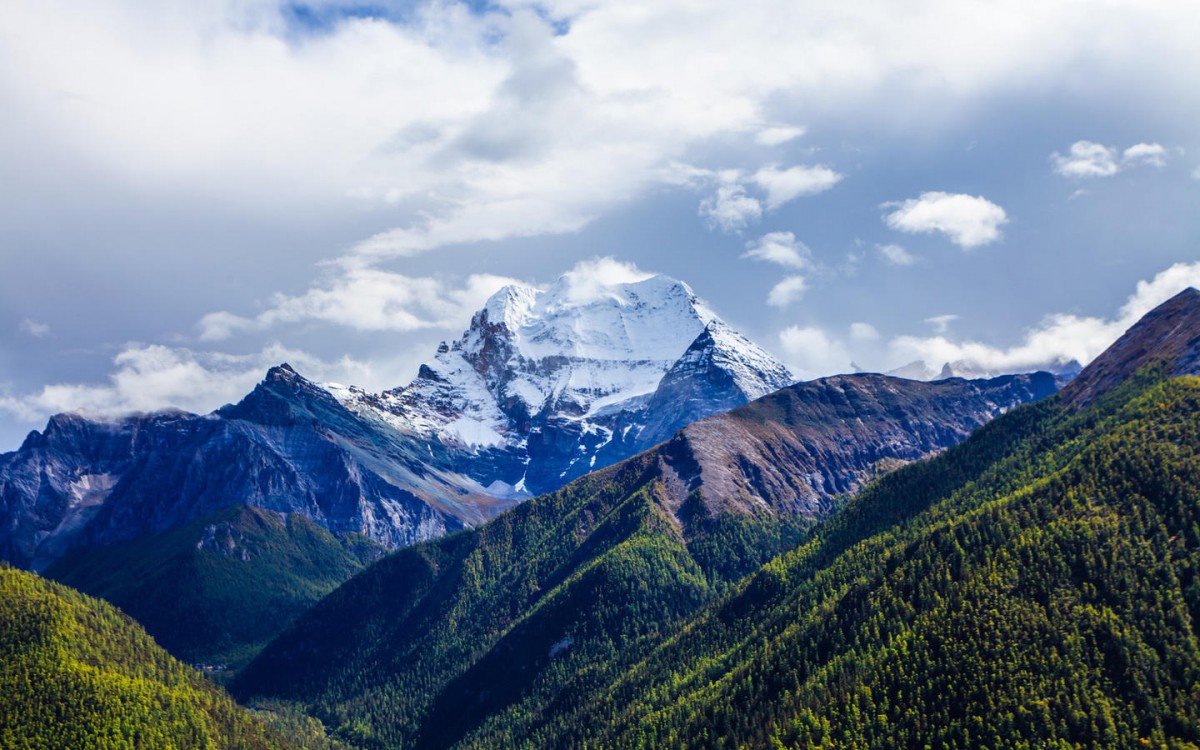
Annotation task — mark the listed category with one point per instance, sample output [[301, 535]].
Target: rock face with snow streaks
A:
[[289, 446], [546, 386]]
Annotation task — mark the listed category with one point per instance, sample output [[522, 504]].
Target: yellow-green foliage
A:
[[77, 673], [1038, 588]]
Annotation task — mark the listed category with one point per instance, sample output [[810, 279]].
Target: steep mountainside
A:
[[216, 589], [76, 673], [567, 588], [546, 386], [289, 446], [1037, 585], [542, 388], [1170, 332], [797, 449]]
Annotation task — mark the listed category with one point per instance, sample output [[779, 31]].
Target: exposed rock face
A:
[[289, 446], [795, 450], [546, 386], [543, 387]]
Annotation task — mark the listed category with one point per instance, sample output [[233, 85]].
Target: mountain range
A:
[[143, 511], [543, 387], [715, 555], [1036, 585]]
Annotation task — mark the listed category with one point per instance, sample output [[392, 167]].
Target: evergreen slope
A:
[[1036, 586], [545, 601], [216, 589], [1039, 585], [76, 673]]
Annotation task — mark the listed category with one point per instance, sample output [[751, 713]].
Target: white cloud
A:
[[1058, 339], [781, 248], [778, 135], [34, 328], [783, 185], [1148, 154], [730, 209], [367, 299], [812, 353], [590, 279], [896, 255], [969, 221], [863, 332], [1087, 159], [790, 289], [512, 122], [941, 323], [152, 378]]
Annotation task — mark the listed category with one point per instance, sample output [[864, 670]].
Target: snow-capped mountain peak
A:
[[542, 379]]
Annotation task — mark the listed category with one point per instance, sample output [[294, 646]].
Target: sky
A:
[[193, 191]]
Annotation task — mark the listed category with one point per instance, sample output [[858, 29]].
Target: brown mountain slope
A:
[[1169, 332], [794, 450]]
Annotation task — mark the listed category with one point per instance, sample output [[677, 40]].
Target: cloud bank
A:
[[153, 378], [366, 299]]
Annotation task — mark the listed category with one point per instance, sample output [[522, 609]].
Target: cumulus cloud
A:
[[790, 289], [370, 299], [811, 353], [1085, 159], [896, 254], [781, 248], [778, 135], [34, 328], [730, 209], [367, 299], [1058, 339], [505, 122], [784, 185], [969, 221], [1148, 154], [155, 377]]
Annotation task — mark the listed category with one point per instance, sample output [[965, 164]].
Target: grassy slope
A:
[[217, 589], [76, 673]]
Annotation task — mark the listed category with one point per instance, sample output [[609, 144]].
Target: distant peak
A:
[[282, 371]]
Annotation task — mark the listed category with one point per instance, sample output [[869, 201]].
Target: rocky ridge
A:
[[546, 386]]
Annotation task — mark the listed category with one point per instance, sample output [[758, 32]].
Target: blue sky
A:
[[197, 190]]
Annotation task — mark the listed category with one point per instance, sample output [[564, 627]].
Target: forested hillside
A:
[[1036, 586], [216, 589], [549, 599], [76, 673]]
